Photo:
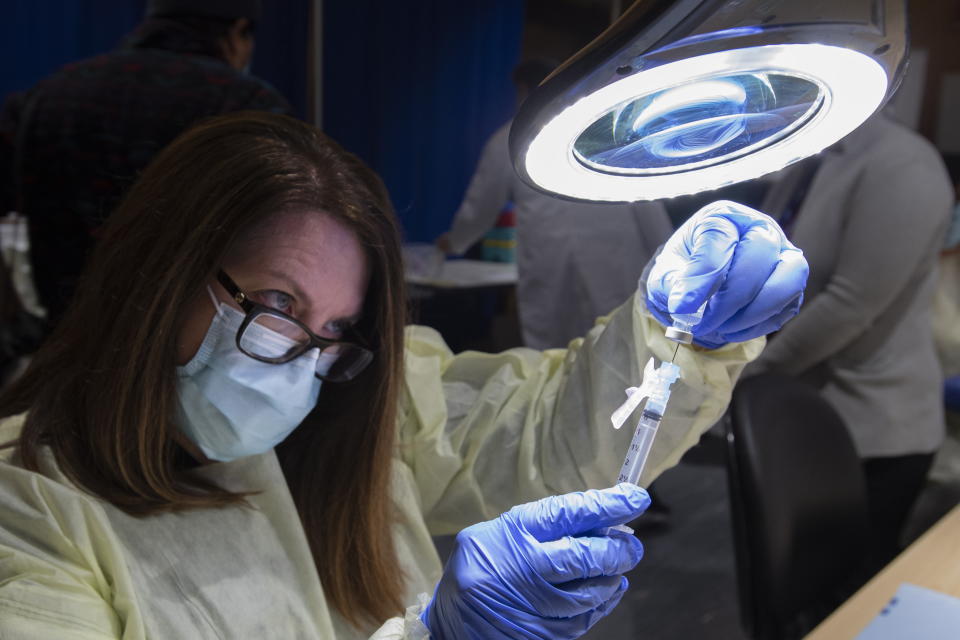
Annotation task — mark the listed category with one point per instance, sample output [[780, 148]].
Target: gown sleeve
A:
[[56, 552], [483, 432]]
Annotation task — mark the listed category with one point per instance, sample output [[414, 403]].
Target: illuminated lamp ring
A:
[[853, 86]]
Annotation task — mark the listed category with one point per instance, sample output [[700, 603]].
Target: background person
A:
[[20, 331], [870, 215], [575, 260], [161, 483], [71, 145], [946, 335]]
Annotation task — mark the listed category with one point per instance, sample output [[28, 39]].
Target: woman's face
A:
[[307, 265]]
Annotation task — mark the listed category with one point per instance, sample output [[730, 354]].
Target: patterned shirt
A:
[[86, 132]]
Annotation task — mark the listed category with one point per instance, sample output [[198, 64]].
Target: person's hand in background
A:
[[737, 259], [548, 569]]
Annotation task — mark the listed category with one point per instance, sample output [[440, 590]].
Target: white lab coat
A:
[[576, 260], [477, 434]]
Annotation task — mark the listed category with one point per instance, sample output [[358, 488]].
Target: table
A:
[[466, 274], [471, 303], [932, 561]]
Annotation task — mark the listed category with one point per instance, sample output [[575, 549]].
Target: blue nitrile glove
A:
[[548, 569], [743, 260]]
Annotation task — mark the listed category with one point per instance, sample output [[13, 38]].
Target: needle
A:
[[681, 331]]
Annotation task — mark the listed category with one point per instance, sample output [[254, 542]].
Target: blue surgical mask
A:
[[234, 406]]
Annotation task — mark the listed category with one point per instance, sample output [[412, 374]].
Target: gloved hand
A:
[[743, 260], [548, 569]]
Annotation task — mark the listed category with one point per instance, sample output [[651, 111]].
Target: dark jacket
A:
[[72, 145]]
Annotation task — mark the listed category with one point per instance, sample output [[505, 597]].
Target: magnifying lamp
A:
[[691, 95]]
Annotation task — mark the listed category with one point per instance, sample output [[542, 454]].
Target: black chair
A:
[[798, 504]]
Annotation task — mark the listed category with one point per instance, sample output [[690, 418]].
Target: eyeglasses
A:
[[338, 362]]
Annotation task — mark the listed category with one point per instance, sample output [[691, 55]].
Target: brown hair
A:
[[102, 392]]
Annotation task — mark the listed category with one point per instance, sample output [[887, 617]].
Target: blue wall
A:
[[37, 37], [415, 89], [281, 51]]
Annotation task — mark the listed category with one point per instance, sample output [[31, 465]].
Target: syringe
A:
[[656, 388]]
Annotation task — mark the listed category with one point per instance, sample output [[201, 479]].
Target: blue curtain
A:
[[415, 89], [281, 51], [37, 37]]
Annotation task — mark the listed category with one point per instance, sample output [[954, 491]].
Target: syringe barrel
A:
[[639, 449]]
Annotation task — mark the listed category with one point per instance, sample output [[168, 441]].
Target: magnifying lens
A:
[[692, 95]]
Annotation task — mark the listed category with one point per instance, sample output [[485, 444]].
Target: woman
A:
[[255, 262]]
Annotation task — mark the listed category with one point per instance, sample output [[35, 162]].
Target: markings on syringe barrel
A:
[[644, 433]]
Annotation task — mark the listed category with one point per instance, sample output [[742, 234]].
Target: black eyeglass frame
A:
[[253, 309]]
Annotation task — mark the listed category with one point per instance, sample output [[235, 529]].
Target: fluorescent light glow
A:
[[852, 84]]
